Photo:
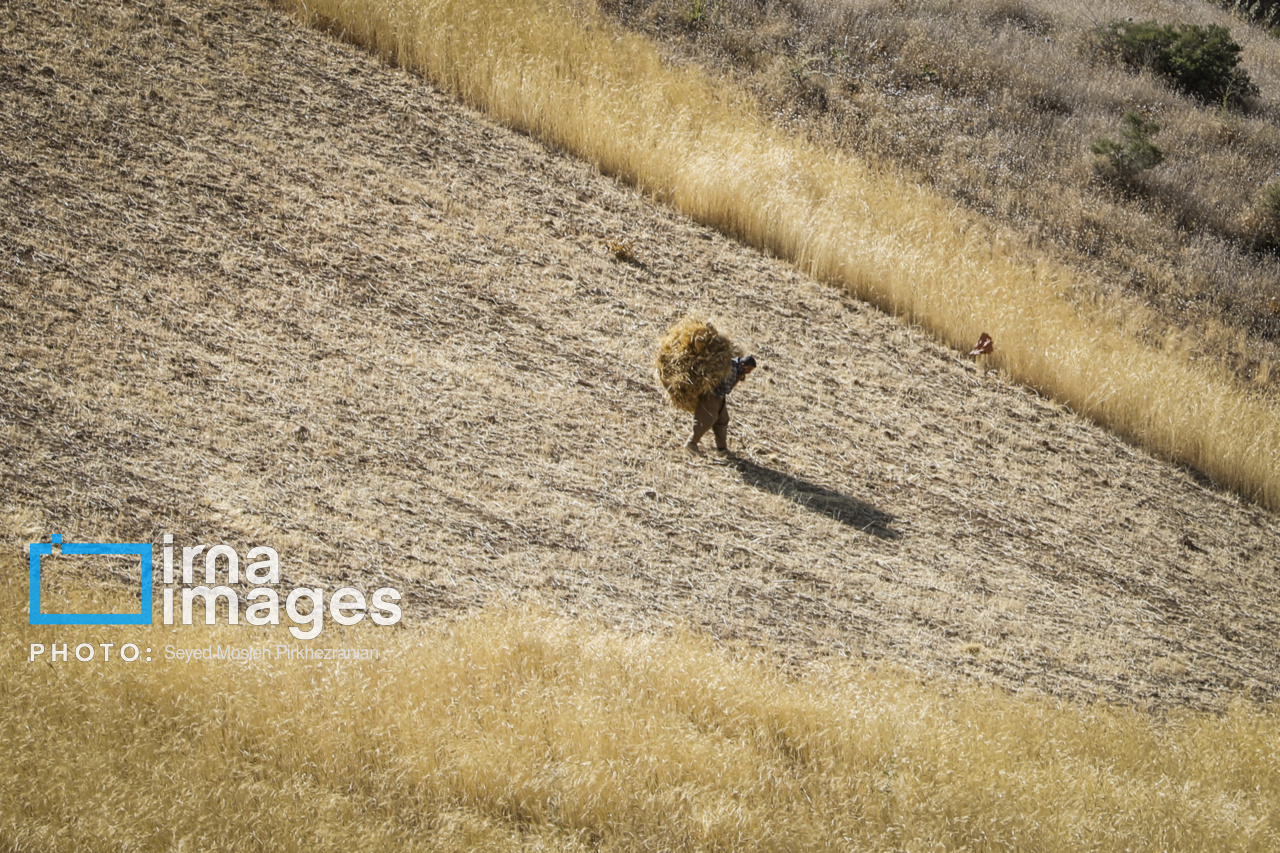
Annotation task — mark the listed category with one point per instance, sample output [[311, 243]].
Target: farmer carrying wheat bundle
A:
[[698, 367]]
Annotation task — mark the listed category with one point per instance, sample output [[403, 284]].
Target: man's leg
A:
[[704, 417], [721, 426]]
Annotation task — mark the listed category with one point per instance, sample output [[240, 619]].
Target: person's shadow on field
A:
[[830, 503]]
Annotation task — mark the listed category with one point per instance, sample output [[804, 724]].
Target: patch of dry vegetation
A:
[[324, 307], [512, 729], [996, 104], [257, 287], [578, 83]]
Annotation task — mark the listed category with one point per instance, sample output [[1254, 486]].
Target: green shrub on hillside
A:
[[1133, 154], [1200, 61]]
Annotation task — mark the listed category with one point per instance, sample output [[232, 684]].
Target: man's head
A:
[[748, 364]]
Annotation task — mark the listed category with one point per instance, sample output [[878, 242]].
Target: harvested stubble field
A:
[[257, 286]]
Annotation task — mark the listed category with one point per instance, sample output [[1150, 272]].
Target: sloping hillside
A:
[[259, 288], [997, 104]]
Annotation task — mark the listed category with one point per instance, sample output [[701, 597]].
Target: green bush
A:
[[1201, 61], [1133, 154]]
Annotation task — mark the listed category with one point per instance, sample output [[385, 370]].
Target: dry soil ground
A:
[[258, 288]]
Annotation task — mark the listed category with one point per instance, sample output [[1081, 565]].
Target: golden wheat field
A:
[[260, 286]]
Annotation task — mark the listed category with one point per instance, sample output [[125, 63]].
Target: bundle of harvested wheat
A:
[[692, 359]]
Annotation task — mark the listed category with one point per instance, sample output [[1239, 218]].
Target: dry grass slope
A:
[[256, 287], [297, 298], [995, 103], [539, 66], [518, 730]]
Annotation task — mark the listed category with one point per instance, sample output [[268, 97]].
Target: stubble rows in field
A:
[[259, 288]]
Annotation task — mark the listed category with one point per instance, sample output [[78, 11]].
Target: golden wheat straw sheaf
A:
[[693, 357]]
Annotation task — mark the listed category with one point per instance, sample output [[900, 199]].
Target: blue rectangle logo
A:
[[141, 550]]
